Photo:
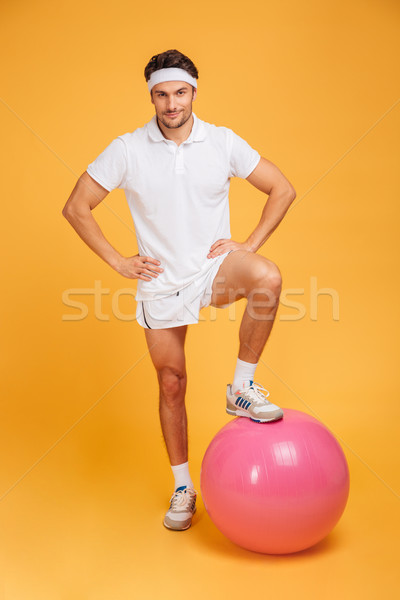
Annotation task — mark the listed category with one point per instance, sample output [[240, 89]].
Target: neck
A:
[[177, 134]]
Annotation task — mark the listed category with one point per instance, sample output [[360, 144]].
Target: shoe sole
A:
[[241, 413], [179, 528]]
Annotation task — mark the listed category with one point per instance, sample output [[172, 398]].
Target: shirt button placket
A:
[[179, 163]]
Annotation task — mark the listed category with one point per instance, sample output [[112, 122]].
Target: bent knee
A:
[[267, 275]]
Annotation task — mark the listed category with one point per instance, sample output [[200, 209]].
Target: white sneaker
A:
[[252, 403], [181, 509]]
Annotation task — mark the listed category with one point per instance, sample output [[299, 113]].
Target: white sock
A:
[[181, 474], [244, 373]]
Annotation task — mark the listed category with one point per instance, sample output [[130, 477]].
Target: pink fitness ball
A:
[[277, 487]]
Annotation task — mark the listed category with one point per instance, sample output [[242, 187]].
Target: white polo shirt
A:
[[177, 195]]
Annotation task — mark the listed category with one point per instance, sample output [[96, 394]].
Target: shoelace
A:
[[253, 393], [182, 498]]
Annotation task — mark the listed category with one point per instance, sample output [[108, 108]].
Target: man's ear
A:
[[151, 96], [194, 94]]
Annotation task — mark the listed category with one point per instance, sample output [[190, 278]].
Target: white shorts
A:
[[182, 308]]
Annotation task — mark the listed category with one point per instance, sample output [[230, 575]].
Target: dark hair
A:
[[170, 58]]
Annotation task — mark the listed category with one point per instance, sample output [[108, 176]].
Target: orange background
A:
[[85, 479]]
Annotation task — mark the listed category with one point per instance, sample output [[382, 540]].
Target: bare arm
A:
[[85, 196], [270, 180]]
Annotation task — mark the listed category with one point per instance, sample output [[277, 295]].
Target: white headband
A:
[[170, 74]]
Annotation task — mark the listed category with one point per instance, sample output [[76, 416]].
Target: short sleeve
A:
[[243, 158], [109, 168]]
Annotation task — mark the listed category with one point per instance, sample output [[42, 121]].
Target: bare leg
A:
[[168, 356], [257, 321], [248, 275]]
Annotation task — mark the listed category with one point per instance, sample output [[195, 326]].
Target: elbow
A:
[[66, 212], [70, 212], [291, 193], [285, 190], [74, 210], [287, 193]]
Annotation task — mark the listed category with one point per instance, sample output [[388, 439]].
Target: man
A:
[[176, 173]]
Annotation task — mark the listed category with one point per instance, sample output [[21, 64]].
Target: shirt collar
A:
[[197, 134]]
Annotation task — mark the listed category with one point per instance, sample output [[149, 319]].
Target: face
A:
[[173, 102]]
